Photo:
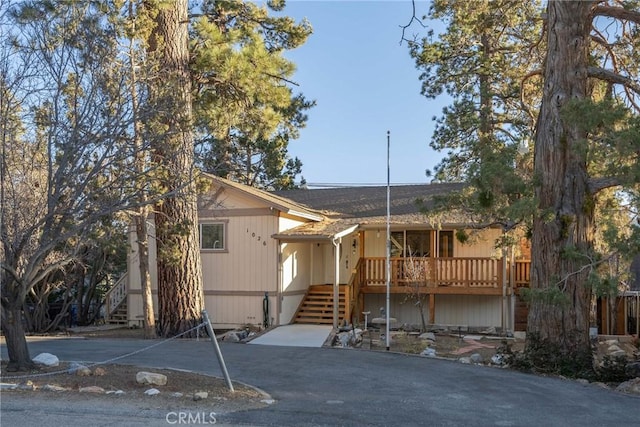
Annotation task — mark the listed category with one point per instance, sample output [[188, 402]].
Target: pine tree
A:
[[180, 288], [481, 61], [567, 182], [586, 139], [245, 108]]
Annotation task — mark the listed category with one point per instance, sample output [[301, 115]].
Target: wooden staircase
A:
[[116, 303], [317, 306], [119, 316]]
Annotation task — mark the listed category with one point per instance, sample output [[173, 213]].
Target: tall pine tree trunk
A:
[[564, 224], [180, 291]]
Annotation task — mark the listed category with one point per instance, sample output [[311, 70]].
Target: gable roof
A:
[[367, 202], [270, 199], [346, 207]]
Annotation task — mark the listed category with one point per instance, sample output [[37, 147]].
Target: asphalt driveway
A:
[[324, 386]]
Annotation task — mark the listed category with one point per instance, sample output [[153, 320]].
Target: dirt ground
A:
[[447, 345], [123, 377]]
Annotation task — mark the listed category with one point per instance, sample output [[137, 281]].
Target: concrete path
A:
[[331, 387], [295, 336]]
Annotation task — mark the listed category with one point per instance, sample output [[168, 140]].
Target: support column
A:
[[432, 309]]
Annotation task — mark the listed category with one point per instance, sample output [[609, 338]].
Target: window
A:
[[212, 236], [418, 243], [445, 249], [415, 243]]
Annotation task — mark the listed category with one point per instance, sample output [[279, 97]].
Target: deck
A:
[[437, 276], [461, 276]]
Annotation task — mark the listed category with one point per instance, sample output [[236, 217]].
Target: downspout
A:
[[512, 278], [336, 281], [280, 284], [504, 291]]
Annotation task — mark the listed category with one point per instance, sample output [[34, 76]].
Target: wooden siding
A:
[[296, 258], [251, 261], [227, 311], [453, 310], [471, 310]]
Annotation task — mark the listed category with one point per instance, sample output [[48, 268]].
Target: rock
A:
[[631, 386], [428, 352], [465, 360], [430, 336], [46, 359], [99, 372], [201, 395], [268, 401], [152, 378], [83, 371], [26, 385], [343, 339], [51, 387], [632, 369], [613, 348], [74, 366], [476, 358], [231, 336], [152, 392], [610, 342], [116, 392], [177, 394], [491, 330], [242, 334], [497, 359], [91, 389], [618, 353], [582, 381]]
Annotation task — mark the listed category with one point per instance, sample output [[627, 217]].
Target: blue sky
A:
[[365, 83]]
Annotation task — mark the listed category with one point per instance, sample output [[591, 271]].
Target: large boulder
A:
[[152, 378], [631, 386], [633, 369], [46, 359]]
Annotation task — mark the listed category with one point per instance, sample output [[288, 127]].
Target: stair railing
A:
[[116, 295]]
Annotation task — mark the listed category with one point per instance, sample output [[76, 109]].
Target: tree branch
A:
[[617, 13], [598, 184], [610, 76], [413, 18]]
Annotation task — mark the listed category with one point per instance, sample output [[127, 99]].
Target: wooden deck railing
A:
[[522, 274], [463, 272]]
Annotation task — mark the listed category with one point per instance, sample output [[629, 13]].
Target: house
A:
[[621, 315], [319, 256]]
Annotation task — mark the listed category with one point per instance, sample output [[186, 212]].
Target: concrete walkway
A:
[[295, 336]]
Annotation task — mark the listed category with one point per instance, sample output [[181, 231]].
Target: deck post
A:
[[432, 309]]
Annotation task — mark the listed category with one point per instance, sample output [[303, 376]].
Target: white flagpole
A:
[[388, 239]]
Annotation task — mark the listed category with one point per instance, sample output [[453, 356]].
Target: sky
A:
[[365, 83]]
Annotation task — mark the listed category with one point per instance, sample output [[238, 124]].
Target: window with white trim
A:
[[212, 236]]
